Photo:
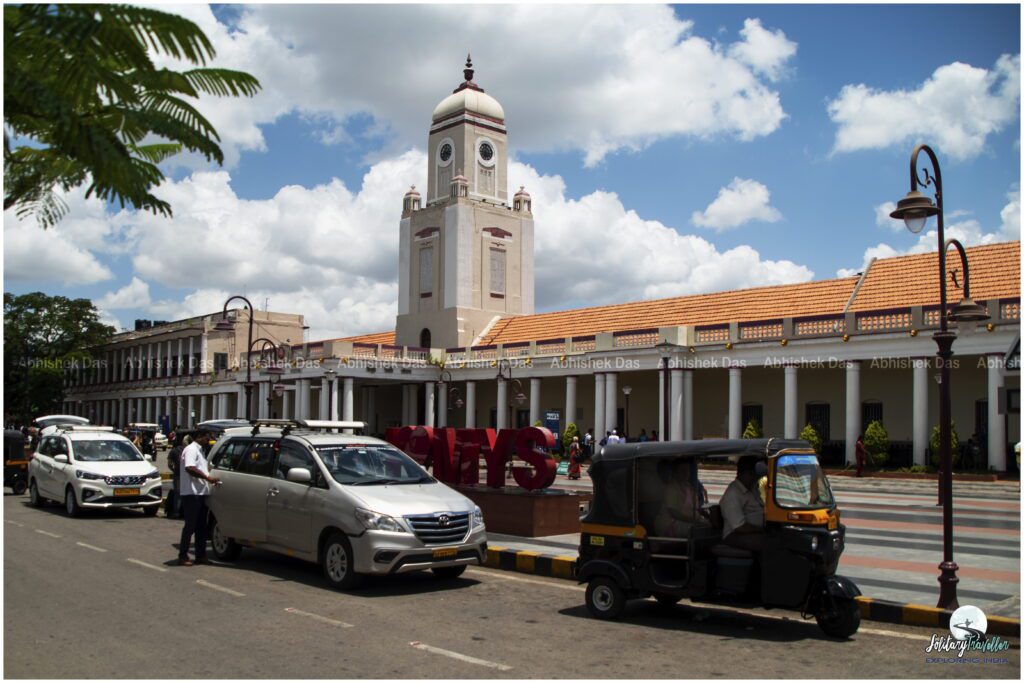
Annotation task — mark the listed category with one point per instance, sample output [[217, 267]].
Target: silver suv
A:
[[353, 504]]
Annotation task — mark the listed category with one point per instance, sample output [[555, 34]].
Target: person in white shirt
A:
[[614, 437], [195, 487], [742, 509]]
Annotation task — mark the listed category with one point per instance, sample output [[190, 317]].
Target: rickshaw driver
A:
[[742, 509]]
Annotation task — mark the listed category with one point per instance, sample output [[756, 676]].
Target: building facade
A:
[[835, 354]]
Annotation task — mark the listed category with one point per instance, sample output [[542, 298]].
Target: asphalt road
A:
[[100, 597]]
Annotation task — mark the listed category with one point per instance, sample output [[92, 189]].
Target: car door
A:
[[227, 500], [42, 466], [290, 504], [246, 491], [57, 472]]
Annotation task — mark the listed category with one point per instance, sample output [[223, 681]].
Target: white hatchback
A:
[[93, 467]]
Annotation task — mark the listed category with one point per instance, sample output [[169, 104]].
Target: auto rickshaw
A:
[[15, 461], [625, 552]]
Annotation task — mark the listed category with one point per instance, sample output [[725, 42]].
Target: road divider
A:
[[886, 611]]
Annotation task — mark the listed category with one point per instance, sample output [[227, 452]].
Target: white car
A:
[[159, 438], [48, 424], [92, 467]]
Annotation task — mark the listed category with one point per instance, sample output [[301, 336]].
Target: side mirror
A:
[[63, 459], [299, 475]]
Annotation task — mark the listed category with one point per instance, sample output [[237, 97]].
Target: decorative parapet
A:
[[757, 331], [584, 344], [819, 326], [1009, 309], [884, 321], [632, 339], [705, 334]]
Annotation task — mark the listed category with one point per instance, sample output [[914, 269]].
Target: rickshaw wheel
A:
[[666, 600], [605, 600], [19, 487], [842, 623]]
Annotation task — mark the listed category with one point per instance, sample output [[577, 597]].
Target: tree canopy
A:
[[84, 103], [43, 335]]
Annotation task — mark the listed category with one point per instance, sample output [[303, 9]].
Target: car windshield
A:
[[801, 483], [106, 451], [367, 465]]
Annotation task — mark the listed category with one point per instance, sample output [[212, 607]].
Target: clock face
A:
[[486, 152], [446, 152]]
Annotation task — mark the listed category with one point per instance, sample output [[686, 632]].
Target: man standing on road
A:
[[195, 487]]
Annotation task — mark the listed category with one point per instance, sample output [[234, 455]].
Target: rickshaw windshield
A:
[[800, 483]]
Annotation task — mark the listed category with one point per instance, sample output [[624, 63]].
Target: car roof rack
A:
[[84, 428], [287, 426]]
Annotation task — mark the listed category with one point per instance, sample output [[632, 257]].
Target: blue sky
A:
[[331, 114]]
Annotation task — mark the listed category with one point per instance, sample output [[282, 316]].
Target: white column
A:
[[191, 369], [428, 404], [996, 424], [442, 405], [151, 408], [181, 357], [261, 400], [735, 403], [534, 400], [502, 404], [920, 411], [190, 407], [169, 412], [223, 405], [301, 396], [791, 427], [852, 410], [159, 370], [150, 363], [599, 426], [471, 405], [347, 400], [675, 404], [661, 404], [202, 408], [688, 404], [611, 401], [286, 407], [140, 410], [570, 402]]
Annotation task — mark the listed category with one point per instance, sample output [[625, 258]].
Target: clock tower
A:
[[465, 251]]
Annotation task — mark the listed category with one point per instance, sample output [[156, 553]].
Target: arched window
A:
[[425, 338]]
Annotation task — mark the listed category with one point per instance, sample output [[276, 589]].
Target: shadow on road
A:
[[714, 621]]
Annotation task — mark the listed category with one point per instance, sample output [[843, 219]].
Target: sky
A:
[[669, 150]]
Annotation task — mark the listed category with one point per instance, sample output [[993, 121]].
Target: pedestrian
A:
[[654, 435], [643, 436], [605, 440], [613, 437], [195, 488], [588, 444], [862, 454], [174, 465], [574, 458]]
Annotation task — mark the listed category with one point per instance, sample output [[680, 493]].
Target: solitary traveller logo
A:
[[967, 628]]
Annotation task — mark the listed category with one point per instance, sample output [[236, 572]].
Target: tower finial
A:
[[468, 71]]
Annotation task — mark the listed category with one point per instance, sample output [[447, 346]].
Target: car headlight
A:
[[478, 517], [814, 543], [155, 474], [375, 521], [82, 474]]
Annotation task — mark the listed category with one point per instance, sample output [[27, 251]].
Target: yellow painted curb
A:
[[561, 566], [526, 561], [921, 615], [1003, 626], [493, 558], [865, 607]]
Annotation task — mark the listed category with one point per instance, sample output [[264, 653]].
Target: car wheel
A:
[[842, 623], [338, 563], [605, 599], [18, 487], [666, 600], [71, 505], [151, 510], [34, 499], [449, 572], [224, 548]]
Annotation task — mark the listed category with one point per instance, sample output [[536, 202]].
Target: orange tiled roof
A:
[[891, 283], [374, 338]]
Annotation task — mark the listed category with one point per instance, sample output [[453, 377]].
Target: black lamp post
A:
[[226, 325], [914, 210], [626, 391], [272, 370], [665, 349]]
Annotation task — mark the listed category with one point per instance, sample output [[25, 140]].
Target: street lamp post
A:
[[626, 391], [914, 210], [272, 370], [330, 374], [665, 349], [505, 373], [225, 325]]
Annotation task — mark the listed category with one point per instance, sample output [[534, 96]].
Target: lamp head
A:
[[330, 375], [279, 389], [274, 370], [224, 325], [520, 398], [627, 390], [665, 349], [915, 209], [967, 314]]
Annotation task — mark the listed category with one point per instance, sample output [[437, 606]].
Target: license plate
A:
[[126, 492], [445, 553]]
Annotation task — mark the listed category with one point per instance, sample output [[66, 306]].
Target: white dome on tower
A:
[[469, 97]]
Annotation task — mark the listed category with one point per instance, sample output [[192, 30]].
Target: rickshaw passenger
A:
[[679, 503], [742, 509]]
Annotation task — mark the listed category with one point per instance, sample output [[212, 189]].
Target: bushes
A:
[[876, 443], [810, 435], [753, 430], [954, 445], [571, 430]]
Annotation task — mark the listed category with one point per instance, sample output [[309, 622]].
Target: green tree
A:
[[810, 435], [86, 104], [753, 430], [876, 443], [571, 430], [43, 335], [954, 445]]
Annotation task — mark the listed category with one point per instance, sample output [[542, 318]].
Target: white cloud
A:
[[958, 107], [767, 52], [595, 79], [742, 201], [883, 220], [970, 233], [135, 294]]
